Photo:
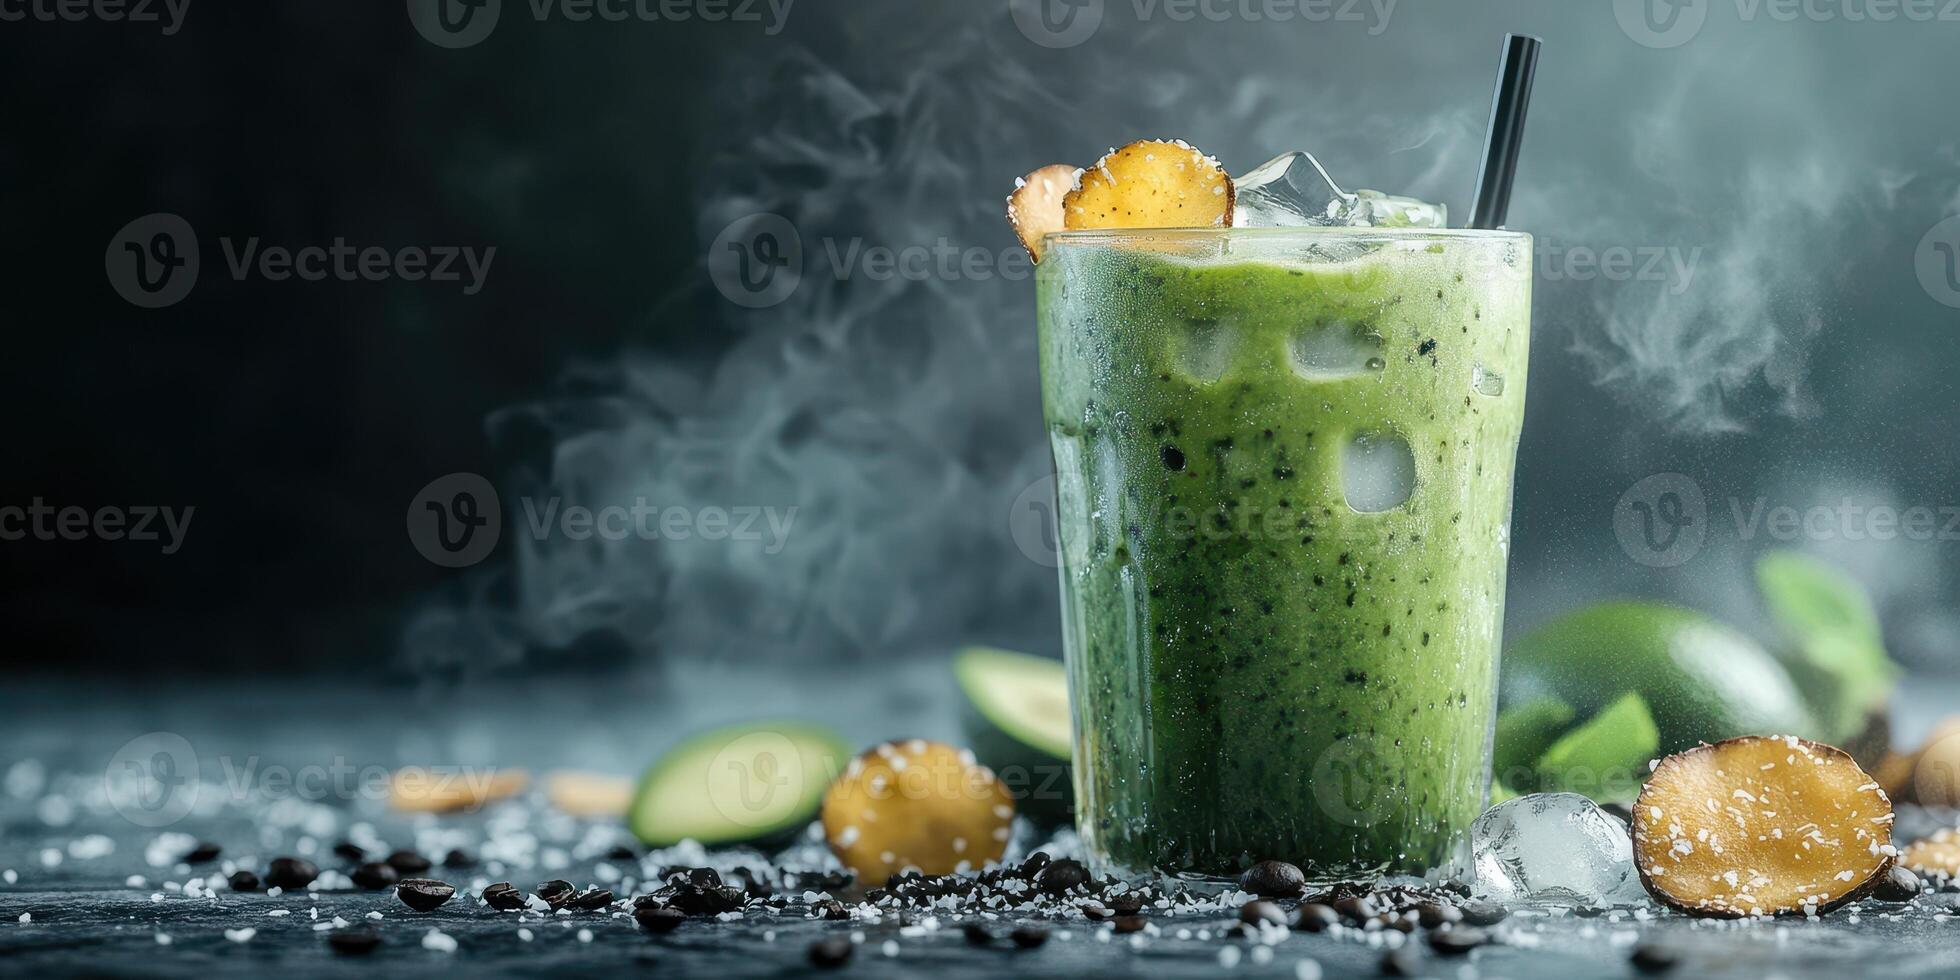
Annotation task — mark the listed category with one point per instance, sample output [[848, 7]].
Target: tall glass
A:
[[1284, 461]]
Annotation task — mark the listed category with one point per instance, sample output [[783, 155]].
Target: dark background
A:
[[1804, 364]]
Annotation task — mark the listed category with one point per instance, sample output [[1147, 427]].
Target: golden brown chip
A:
[[1761, 826], [1936, 767], [1938, 856], [1151, 184], [916, 804], [444, 789], [1035, 207], [589, 794]]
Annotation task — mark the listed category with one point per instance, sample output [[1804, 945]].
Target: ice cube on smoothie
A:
[[1336, 350], [1378, 472], [1291, 190]]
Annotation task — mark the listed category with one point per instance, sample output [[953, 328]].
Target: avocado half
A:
[[759, 783], [1016, 721]]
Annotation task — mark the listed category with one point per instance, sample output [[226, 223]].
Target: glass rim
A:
[[1092, 236]]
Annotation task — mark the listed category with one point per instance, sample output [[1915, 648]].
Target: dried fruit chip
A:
[[916, 804], [1761, 826], [1936, 767], [1937, 856], [589, 794], [1035, 207], [446, 789], [1151, 184]]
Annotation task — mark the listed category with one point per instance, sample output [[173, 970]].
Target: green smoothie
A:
[[1283, 466]]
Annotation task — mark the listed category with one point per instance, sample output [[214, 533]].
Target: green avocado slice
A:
[[743, 784], [1017, 724]]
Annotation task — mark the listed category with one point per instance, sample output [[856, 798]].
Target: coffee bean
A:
[[621, 852], [289, 873], [1094, 911], [1059, 876], [1900, 885], [556, 892], [357, 941], [977, 934], [1483, 913], [349, 852], [1399, 923], [1125, 924], [1456, 941], [424, 894], [830, 909], [590, 900], [659, 919], [1033, 865], [1255, 913], [1652, 958], [1273, 879], [458, 859], [374, 876], [1356, 908], [243, 881], [1401, 962], [1315, 917], [204, 851], [1589, 911], [1127, 903], [1434, 914], [502, 896], [1028, 937], [832, 952], [408, 862]]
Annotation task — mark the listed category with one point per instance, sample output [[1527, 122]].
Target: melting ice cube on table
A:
[[1554, 847]]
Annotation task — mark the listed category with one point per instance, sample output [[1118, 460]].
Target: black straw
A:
[[1507, 109]]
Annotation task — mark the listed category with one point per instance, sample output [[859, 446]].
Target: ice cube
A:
[[1378, 473], [1291, 190], [1554, 847], [1373, 209], [1336, 351]]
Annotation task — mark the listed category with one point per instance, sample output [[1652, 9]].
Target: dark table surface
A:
[[100, 888]]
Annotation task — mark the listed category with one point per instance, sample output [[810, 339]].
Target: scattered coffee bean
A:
[[349, 852], [556, 892], [204, 851], [977, 934], [1256, 913], [1028, 937], [1483, 913], [591, 900], [424, 894], [1315, 917], [1589, 911], [243, 881], [1094, 911], [832, 952], [1126, 924], [1273, 879], [1402, 962], [1399, 923], [1434, 914], [1901, 885], [1356, 908], [831, 909], [374, 876], [356, 941], [1034, 863], [620, 852], [408, 862], [1127, 903], [1652, 958], [658, 919], [289, 873], [502, 896], [458, 859], [1059, 876], [1456, 941]]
